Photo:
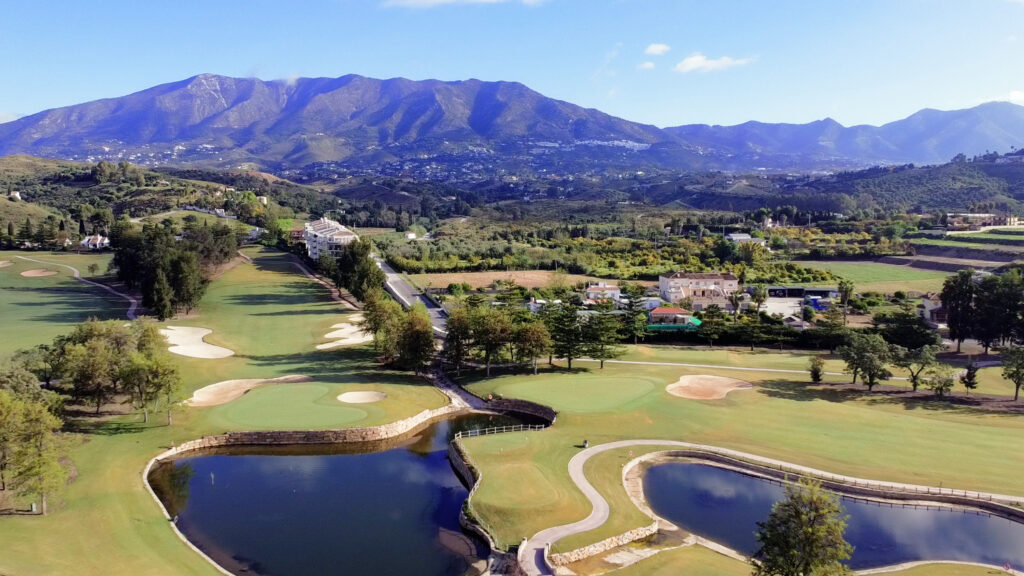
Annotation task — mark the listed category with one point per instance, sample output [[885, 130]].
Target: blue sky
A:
[[664, 62]]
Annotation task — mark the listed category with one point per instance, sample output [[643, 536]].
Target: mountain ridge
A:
[[360, 122]]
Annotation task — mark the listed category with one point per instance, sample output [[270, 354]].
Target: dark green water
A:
[[724, 506], [296, 511]]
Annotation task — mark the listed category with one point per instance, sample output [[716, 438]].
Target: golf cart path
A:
[[133, 304], [535, 558]]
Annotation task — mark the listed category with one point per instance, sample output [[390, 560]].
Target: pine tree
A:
[[566, 330], [601, 336], [635, 319], [803, 535]]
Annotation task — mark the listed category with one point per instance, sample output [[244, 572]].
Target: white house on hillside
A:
[[325, 236], [95, 242], [743, 238]]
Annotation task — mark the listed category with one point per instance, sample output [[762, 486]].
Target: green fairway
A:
[[35, 310], [316, 406], [699, 561], [867, 435], [881, 277], [272, 317]]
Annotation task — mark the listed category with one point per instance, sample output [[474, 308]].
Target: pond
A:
[[724, 506], [303, 510]]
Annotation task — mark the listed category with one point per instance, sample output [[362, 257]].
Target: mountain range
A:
[[359, 122]]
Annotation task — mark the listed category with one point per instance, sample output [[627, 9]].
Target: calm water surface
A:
[[724, 506], [299, 511]]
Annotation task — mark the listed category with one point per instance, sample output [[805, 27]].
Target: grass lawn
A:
[[867, 435], [700, 561], [990, 381], [35, 310], [272, 317], [881, 277]]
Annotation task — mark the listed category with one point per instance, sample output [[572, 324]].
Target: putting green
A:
[[579, 393], [315, 406]]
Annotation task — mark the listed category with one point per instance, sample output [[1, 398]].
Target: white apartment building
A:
[[325, 236]]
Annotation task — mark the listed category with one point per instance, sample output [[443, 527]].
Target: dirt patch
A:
[[346, 334], [38, 273], [524, 278], [701, 387], [188, 341], [228, 390], [361, 397], [5, 263]]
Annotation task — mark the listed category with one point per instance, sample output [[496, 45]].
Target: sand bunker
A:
[[188, 341], [38, 273], [5, 263], [361, 397], [346, 334], [706, 387], [228, 390]]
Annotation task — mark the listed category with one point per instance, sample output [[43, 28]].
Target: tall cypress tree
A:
[[163, 296]]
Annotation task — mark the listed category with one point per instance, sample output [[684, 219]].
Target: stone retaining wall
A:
[[603, 546], [292, 437], [526, 407], [499, 562]]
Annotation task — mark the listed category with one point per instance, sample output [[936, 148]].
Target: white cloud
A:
[[645, 66], [698, 62], [1014, 96], [8, 117], [657, 49], [433, 3]]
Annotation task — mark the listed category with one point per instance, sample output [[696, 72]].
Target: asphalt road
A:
[[407, 295]]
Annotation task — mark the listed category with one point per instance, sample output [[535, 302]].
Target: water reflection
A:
[[383, 508], [724, 506]]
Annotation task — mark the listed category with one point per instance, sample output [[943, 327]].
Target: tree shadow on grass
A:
[[887, 395], [806, 392], [338, 366], [99, 427]]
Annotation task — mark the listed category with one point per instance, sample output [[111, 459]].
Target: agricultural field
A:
[[880, 277], [35, 309], [869, 435], [272, 318], [1002, 247]]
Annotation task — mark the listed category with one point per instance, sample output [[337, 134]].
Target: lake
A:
[[724, 506], [305, 510]]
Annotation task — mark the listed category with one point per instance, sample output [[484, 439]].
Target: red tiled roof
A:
[[665, 310]]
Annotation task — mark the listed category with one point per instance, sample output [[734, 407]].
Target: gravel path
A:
[[133, 304], [534, 557]]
